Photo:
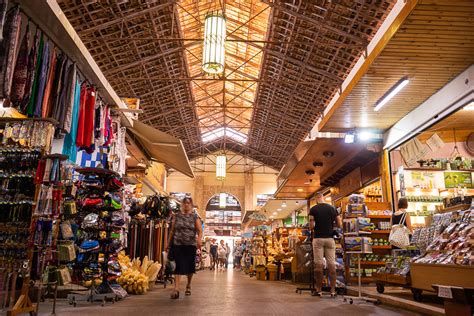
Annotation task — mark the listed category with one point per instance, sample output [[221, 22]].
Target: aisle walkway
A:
[[227, 293]]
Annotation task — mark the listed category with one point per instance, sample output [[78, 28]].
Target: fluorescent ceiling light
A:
[[299, 190], [274, 213], [391, 93], [283, 204], [224, 131], [469, 107], [279, 210], [349, 138]]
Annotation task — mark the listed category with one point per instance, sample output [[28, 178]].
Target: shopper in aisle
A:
[[213, 253], [182, 244], [227, 255], [237, 256], [222, 253], [323, 217], [401, 216]]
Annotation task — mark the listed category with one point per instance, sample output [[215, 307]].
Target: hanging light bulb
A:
[[221, 162], [222, 200], [214, 43]]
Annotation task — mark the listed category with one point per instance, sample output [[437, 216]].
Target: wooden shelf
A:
[[460, 207], [380, 216], [434, 169], [381, 247], [372, 263], [362, 279], [381, 232]]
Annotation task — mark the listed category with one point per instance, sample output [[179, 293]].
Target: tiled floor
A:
[[226, 293]]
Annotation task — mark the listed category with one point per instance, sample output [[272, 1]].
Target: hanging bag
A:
[[400, 234]]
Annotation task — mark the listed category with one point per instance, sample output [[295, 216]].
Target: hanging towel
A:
[[413, 151], [20, 74], [8, 48]]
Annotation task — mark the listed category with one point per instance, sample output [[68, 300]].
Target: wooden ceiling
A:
[[226, 102], [301, 185], [279, 76], [434, 44]]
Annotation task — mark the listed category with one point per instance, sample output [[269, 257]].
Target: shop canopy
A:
[[162, 147]]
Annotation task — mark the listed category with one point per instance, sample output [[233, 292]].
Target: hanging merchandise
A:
[[99, 233], [8, 48], [24, 143]]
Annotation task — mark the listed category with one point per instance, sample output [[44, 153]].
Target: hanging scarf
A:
[[42, 77], [69, 147], [31, 72], [20, 75], [3, 11], [8, 47], [46, 106], [34, 89]]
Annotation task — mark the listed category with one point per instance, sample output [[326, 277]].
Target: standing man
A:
[[323, 217]]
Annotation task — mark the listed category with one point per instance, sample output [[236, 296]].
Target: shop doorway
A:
[[224, 220]]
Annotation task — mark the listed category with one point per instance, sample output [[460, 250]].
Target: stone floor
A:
[[226, 293]]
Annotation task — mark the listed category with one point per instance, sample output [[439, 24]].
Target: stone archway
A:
[[223, 221]]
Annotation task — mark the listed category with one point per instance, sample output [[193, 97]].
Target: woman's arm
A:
[[199, 233], [408, 221], [171, 234]]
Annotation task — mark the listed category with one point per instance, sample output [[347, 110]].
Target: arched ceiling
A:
[[285, 60]]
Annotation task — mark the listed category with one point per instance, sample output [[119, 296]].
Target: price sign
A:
[[445, 292]]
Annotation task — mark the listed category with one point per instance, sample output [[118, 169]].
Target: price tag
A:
[[445, 292]]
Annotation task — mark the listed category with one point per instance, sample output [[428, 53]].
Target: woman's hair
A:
[[188, 199], [402, 203]]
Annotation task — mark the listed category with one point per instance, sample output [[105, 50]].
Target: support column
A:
[[199, 195], [248, 192]]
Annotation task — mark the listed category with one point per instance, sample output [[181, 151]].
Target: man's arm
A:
[[339, 221], [311, 220]]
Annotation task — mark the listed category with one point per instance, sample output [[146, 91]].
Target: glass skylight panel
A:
[[221, 132]]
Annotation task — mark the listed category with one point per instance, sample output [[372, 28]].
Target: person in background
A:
[[227, 255], [182, 244], [221, 253], [238, 252], [213, 253], [323, 217], [397, 217]]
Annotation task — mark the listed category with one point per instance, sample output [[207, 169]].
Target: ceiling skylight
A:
[[224, 132]]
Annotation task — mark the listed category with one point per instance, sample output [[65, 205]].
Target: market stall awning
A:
[[162, 147]]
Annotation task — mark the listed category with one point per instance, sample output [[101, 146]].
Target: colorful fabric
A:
[[82, 115], [46, 106], [20, 74], [8, 48], [96, 159], [3, 11], [56, 88], [34, 90], [184, 233], [69, 147], [31, 72], [70, 98], [42, 78]]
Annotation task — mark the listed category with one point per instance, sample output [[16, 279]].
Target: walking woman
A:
[[182, 244]]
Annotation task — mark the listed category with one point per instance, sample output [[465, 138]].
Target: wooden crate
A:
[[423, 276]]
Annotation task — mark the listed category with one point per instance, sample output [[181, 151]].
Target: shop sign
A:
[[454, 179], [445, 292]]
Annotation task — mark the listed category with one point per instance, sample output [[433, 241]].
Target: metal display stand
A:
[[365, 299], [310, 287]]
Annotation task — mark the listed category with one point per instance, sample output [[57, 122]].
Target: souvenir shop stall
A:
[[72, 222], [434, 171]]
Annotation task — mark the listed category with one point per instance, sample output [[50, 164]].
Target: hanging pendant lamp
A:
[[214, 43], [221, 164], [222, 200]]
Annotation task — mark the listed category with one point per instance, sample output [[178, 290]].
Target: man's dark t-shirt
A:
[[213, 250], [324, 216]]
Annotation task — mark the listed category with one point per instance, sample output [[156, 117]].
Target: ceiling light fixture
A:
[[214, 43], [274, 213], [141, 164], [391, 93], [299, 190], [283, 204], [297, 202], [221, 162], [279, 210], [349, 138]]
